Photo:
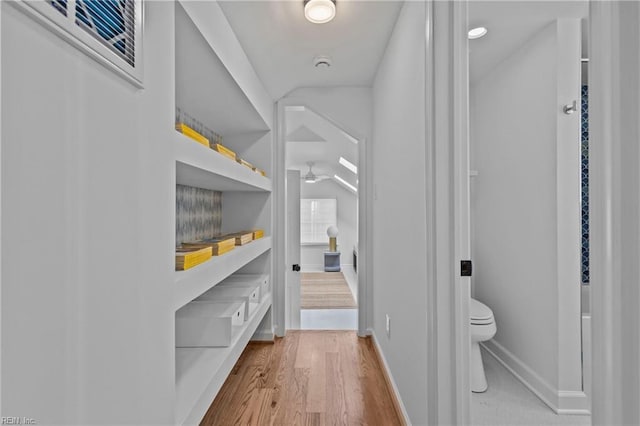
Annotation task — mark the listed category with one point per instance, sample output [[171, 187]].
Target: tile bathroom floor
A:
[[508, 402]]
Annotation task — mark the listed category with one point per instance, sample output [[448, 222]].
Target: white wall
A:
[[399, 209], [312, 256], [526, 211], [87, 237]]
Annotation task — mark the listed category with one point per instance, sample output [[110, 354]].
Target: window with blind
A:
[[112, 22], [316, 215], [107, 30]]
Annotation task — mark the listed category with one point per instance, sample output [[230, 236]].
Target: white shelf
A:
[[200, 372], [229, 101], [202, 167], [193, 282]]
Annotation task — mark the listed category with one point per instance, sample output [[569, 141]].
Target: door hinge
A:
[[466, 268], [296, 268]]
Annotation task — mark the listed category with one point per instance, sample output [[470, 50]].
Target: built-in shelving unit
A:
[[216, 85], [202, 167], [194, 389], [195, 281]]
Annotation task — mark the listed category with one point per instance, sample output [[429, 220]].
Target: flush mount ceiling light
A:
[[478, 32], [319, 11]]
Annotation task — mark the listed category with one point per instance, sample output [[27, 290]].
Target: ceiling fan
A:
[[311, 177]]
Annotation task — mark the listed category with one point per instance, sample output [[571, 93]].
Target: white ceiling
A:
[[281, 43], [510, 24]]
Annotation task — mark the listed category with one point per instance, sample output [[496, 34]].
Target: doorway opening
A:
[[321, 160], [529, 211]]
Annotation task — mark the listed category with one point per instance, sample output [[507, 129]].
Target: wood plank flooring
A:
[[306, 378]]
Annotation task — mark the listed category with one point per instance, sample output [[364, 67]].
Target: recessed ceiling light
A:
[[319, 11], [477, 33]]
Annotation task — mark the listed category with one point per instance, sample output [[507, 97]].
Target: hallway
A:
[[307, 377]]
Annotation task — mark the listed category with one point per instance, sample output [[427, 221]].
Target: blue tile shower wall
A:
[[585, 184], [198, 213]]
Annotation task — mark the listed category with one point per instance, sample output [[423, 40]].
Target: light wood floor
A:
[[306, 378]]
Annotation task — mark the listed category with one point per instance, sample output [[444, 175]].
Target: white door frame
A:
[[445, 120], [365, 302], [292, 233], [614, 111], [447, 212]]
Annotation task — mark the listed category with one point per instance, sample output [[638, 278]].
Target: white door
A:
[[292, 229]]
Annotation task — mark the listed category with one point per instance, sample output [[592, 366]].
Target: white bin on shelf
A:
[[249, 295], [208, 323], [249, 280]]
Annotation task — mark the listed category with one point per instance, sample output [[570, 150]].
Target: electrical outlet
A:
[[388, 325]]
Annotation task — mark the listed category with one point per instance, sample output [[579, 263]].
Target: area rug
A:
[[325, 290]]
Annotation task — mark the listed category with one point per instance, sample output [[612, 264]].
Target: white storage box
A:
[[249, 280], [249, 295], [208, 323]]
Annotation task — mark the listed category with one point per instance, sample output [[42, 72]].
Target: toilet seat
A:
[[482, 322], [479, 313]]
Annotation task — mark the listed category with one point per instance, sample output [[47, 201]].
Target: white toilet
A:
[[483, 327]]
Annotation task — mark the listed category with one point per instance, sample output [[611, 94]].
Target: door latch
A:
[[466, 268], [296, 268]]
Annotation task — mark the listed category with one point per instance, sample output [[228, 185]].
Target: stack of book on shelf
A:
[[245, 163], [189, 257], [214, 142], [241, 238], [223, 150], [251, 166], [257, 170], [258, 233], [218, 246], [189, 132]]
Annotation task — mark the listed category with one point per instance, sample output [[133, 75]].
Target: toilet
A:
[[483, 327]]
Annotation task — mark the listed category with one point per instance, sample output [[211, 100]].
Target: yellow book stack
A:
[[257, 170], [241, 238], [218, 246], [224, 151], [189, 132], [258, 233], [245, 163], [188, 257]]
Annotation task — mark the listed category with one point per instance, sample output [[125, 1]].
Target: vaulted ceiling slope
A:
[[281, 43], [511, 24], [324, 150]]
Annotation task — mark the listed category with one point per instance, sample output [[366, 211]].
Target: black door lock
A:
[[466, 268], [296, 268]]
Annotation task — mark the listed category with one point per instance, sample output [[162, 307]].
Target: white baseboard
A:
[[394, 388], [587, 361], [561, 402]]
